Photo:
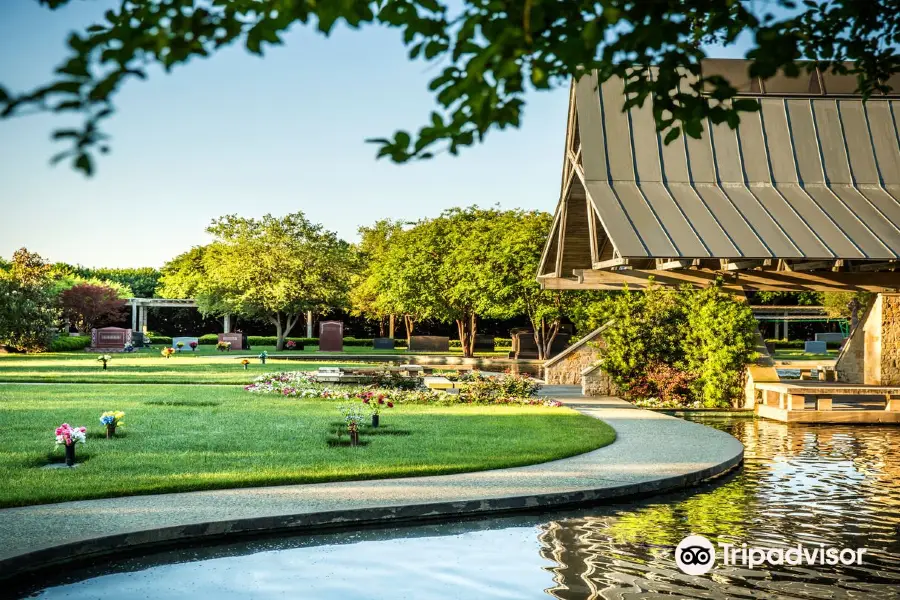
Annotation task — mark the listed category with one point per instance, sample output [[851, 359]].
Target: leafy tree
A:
[[63, 281], [141, 281], [786, 298], [271, 268], [846, 304], [88, 306], [702, 338], [367, 295], [515, 243], [491, 54], [27, 309]]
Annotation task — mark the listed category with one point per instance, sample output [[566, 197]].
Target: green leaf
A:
[[83, 163], [673, 134]]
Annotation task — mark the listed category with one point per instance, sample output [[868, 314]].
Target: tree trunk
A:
[[391, 326], [544, 335], [290, 321], [279, 332], [409, 323], [381, 327], [466, 328]]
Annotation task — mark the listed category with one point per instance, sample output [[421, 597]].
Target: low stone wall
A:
[[567, 371], [872, 353], [597, 382]]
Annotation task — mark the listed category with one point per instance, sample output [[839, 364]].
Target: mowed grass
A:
[[147, 367], [204, 365], [798, 354], [182, 438]]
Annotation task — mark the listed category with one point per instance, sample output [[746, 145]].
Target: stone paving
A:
[[652, 453]]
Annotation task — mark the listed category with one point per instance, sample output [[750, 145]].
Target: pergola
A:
[[802, 196]]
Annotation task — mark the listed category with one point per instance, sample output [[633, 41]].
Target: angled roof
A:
[[813, 176]]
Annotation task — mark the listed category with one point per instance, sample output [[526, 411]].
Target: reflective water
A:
[[833, 485]]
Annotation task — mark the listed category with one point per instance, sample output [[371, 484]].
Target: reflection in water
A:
[[833, 485]]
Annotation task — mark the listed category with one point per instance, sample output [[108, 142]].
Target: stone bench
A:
[[438, 383], [791, 396]]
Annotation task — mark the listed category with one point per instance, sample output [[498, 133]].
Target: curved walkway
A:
[[652, 453]]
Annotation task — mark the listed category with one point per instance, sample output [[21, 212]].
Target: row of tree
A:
[[464, 265]]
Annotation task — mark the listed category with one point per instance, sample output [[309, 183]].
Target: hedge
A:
[[70, 343]]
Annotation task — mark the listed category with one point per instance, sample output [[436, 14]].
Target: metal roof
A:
[[813, 176]]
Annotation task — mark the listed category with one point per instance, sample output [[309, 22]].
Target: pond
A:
[[832, 485]]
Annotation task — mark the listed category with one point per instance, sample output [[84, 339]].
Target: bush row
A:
[[70, 343]]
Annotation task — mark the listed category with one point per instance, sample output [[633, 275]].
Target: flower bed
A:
[[479, 389]]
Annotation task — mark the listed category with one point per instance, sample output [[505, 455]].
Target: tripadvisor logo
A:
[[695, 555]]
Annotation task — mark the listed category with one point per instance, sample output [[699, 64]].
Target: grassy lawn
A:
[[182, 438], [144, 367], [205, 365], [798, 354]]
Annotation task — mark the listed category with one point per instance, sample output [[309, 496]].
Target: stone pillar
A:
[[777, 330], [309, 324], [226, 324], [143, 319], [786, 334], [871, 355], [134, 317]]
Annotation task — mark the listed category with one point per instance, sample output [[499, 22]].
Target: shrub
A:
[[670, 385], [161, 339], [703, 338], [70, 344]]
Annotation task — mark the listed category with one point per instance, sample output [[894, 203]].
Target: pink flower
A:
[[365, 400], [390, 405], [381, 400]]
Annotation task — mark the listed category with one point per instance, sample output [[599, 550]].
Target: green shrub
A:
[[70, 343], [701, 338], [161, 339], [797, 344]]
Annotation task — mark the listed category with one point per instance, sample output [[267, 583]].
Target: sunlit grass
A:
[[181, 438]]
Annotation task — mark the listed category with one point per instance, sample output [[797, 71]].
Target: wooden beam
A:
[[770, 281], [813, 265], [740, 265], [874, 266], [611, 263]]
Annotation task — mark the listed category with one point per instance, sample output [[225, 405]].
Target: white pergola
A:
[[139, 308]]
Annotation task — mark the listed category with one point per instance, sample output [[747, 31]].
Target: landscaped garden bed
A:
[[182, 438]]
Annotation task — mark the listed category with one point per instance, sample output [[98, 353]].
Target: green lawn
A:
[[798, 354], [144, 367], [182, 438]]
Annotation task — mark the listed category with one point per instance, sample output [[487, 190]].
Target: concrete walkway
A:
[[652, 453]]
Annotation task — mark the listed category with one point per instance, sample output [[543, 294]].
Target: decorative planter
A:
[[110, 431], [375, 419], [70, 455], [354, 437]]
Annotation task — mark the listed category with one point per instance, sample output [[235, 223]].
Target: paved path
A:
[[652, 453]]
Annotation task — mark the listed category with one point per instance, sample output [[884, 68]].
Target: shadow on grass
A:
[[338, 428], [344, 442], [52, 457], [187, 403], [101, 435]]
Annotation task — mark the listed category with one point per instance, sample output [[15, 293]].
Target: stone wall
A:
[[597, 383], [567, 370], [890, 339], [872, 353]]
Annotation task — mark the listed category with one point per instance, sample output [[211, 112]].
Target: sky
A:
[[237, 133]]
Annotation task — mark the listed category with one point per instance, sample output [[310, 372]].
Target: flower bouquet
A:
[[290, 344], [263, 356], [167, 352], [193, 346], [245, 362], [353, 417], [112, 419], [104, 358], [223, 346], [68, 436], [374, 402], [180, 346]]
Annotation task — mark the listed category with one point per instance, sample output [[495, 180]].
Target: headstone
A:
[[138, 339], [383, 343], [187, 343], [484, 343], [331, 336], [429, 343], [110, 338], [830, 337], [236, 340], [815, 348]]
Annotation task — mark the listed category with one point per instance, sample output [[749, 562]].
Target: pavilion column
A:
[[777, 330], [309, 324], [134, 317], [786, 335], [143, 319], [226, 324]]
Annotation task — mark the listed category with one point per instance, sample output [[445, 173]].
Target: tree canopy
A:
[[271, 268], [491, 53], [27, 308]]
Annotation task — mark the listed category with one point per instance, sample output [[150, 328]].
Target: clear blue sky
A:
[[241, 134]]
